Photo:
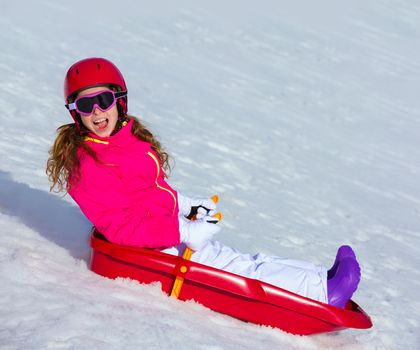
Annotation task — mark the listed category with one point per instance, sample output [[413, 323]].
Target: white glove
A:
[[200, 205], [195, 234]]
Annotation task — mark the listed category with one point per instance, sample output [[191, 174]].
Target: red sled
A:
[[237, 296]]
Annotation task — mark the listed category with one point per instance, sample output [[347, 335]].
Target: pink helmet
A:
[[93, 72]]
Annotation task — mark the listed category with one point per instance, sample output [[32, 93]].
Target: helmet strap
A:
[[121, 122]]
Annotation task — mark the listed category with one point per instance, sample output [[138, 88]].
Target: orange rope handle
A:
[[179, 280]]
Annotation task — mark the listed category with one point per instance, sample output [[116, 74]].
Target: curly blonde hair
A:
[[63, 162]]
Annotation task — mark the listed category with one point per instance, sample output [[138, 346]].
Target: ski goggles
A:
[[104, 100]]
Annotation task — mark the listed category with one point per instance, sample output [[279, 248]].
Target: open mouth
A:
[[101, 123]]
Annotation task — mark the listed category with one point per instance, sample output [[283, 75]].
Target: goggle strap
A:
[[120, 94], [71, 106]]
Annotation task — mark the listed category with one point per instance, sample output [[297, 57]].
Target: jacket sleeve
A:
[[101, 195]]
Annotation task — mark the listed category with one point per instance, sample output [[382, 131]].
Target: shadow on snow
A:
[[48, 214]]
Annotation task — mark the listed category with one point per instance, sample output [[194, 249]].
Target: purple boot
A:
[[344, 283], [345, 251]]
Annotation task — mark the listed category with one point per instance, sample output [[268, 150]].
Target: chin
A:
[[105, 133]]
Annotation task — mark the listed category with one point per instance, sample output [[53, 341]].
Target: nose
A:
[[96, 110]]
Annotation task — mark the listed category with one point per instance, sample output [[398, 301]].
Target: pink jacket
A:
[[124, 194]]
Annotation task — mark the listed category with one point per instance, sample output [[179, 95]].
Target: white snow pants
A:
[[297, 276]]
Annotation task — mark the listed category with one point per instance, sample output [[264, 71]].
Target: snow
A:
[[303, 117]]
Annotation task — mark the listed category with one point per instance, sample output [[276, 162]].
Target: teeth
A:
[[99, 121]]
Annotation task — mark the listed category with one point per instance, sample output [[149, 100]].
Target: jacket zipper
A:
[[157, 177]]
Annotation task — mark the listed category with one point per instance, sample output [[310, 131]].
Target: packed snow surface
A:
[[302, 116]]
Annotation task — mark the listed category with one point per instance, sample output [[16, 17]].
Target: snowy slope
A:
[[304, 118]]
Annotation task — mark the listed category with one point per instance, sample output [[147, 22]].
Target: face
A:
[[100, 123]]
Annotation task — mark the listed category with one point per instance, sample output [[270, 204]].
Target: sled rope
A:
[[179, 280]]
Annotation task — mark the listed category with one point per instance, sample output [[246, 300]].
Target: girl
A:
[[115, 170]]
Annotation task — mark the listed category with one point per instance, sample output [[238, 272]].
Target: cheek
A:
[[113, 114], [86, 122], [114, 111]]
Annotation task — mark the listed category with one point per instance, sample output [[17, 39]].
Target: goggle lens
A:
[[105, 100]]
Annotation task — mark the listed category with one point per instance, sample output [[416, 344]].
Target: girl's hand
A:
[[199, 206], [195, 234]]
